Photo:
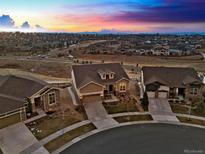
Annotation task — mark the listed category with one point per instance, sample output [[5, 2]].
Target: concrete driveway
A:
[[97, 114], [161, 110], [16, 138]]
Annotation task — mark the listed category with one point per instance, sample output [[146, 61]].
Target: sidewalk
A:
[[16, 138], [63, 131], [128, 114], [72, 96]]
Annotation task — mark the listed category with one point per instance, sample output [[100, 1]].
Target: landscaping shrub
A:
[[144, 100]]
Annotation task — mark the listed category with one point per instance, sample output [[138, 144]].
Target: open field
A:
[[188, 61], [53, 69]]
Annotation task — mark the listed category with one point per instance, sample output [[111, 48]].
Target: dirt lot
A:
[[188, 61], [53, 69]]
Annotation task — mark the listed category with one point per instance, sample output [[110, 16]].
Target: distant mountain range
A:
[[116, 32]]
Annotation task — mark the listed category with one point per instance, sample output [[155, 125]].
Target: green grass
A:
[[63, 139], [5, 122], [191, 121], [121, 107], [50, 124], [131, 118]]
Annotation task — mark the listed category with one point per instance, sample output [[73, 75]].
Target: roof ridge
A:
[[11, 97]]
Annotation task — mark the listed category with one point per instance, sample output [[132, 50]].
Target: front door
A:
[[111, 88], [37, 102]]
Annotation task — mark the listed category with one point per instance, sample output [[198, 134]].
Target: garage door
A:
[[162, 94], [151, 94], [92, 98]]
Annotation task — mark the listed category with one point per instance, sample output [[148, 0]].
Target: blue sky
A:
[[94, 15]]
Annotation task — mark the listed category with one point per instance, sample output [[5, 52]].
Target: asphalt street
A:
[[143, 139]]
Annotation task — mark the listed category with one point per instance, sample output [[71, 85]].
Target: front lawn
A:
[[191, 121], [131, 118], [65, 138], [197, 111], [121, 107], [43, 127], [5, 122], [177, 108]]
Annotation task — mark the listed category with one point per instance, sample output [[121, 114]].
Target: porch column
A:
[[177, 91], [33, 104]]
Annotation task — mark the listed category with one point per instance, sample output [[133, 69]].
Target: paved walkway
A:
[[133, 93], [128, 114], [98, 116], [161, 110], [141, 89], [72, 96], [41, 114], [16, 138]]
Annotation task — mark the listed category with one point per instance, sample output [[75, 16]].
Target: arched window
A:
[[122, 86]]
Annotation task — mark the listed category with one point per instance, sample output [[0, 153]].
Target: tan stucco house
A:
[[99, 79], [171, 82], [17, 91]]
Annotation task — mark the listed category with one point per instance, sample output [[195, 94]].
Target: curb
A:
[[116, 126]]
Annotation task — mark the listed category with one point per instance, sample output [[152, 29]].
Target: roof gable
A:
[[170, 76], [90, 73]]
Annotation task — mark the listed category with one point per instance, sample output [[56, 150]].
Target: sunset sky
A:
[[96, 15]]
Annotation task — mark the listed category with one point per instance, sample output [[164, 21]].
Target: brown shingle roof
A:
[[87, 73], [9, 103], [20, 87], [15, 89], [170, 76]]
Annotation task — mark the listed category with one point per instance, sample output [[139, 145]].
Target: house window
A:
[[122, 86], [52, 98], [193, 91]]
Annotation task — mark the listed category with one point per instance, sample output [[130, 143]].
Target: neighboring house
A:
[[99, 79], [171, 82], [17, 91], [175, 52]]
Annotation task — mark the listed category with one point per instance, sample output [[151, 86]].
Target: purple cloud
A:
[[171, 11]]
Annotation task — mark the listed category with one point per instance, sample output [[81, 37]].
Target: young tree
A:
[[29, 106], [145, 100]]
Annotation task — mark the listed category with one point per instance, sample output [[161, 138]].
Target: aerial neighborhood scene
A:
[[102, 77]]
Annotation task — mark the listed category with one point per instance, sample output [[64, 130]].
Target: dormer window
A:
[[111, 76], [106, 74], [103, 76]]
